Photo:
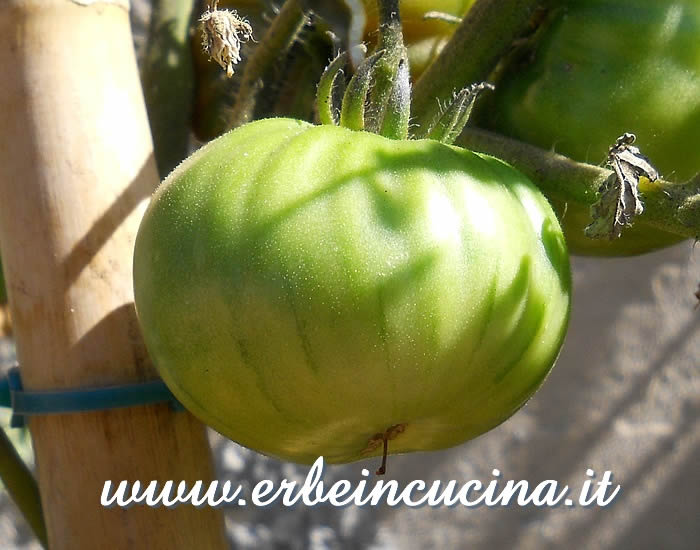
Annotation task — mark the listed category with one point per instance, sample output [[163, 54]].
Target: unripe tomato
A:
[[304, 288], [604, 68]]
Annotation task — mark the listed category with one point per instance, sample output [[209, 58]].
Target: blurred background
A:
[[624, 396]]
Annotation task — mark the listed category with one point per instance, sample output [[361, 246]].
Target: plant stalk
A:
[[22, 487], [484, 36], [390, 32], [671, 207], [168, 81], [278, 40]]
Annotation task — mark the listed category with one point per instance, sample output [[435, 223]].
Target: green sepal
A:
[[352, 114], [454, 118], [398, 107]]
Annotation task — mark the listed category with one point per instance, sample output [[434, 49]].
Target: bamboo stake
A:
[[76, 171]]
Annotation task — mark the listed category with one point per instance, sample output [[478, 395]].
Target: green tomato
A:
[[303, 288], [604, 68]]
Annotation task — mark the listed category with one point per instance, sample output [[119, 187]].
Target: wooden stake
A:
[[76, 171]]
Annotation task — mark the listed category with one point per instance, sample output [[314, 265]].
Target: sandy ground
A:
[[624, 397]]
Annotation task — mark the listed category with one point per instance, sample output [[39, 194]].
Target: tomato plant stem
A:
[[483, 37], [278, 39], [22, 487], [669, 206], [168, 82], [390, 33]]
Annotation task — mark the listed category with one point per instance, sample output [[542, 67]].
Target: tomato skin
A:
[[604, 68], [302, 288]]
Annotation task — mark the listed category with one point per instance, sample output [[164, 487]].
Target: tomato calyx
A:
[[453, 120], [352, 114], [383, 82], [383, 78]]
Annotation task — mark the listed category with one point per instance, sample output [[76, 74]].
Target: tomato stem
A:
[[668, 206], [486, 33], [278, 40], [168, 81]]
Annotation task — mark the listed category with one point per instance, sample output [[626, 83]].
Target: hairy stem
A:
[[168, 81], [669, 206], [484, 36], [391, 35], [278, 39]]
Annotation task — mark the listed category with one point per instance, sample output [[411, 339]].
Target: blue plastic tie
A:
[[28, 403]]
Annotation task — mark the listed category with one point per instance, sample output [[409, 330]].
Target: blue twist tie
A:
[[26, 403]]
